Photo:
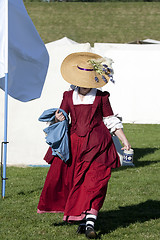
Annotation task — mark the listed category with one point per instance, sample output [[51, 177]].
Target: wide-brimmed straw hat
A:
[[86, 69]]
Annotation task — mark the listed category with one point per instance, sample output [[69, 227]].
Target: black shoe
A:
[[90, 233], [81, 228]]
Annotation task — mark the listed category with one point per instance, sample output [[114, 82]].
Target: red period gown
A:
[[80, 185]]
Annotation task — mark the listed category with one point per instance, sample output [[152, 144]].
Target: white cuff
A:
[[113, 123]]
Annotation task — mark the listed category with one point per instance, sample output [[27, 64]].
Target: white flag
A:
[[28, 58]]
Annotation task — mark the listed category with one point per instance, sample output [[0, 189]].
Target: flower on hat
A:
[[103, 66]]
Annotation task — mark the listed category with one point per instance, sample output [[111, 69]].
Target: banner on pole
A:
[[28, 58]]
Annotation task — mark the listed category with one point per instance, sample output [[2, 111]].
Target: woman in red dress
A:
[[78, 187]]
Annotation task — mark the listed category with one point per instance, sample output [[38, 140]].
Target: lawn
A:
[[131, 209], [115, 22]]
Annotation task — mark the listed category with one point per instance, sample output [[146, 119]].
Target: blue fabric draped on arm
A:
[[57, 133]]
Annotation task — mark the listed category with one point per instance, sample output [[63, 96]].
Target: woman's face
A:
[[84, 91]]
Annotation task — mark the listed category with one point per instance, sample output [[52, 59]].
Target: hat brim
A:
[[73, 70]]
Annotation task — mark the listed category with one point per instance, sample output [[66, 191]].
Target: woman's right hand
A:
[[59, 117]]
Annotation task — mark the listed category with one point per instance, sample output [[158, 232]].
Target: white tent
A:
[[135, 96]]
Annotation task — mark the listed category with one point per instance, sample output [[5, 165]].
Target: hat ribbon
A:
[[85, 69]]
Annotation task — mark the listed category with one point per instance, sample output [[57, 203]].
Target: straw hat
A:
[[85, 69]]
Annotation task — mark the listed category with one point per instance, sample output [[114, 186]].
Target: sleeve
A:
[[64, 104], [113, 123], [106, 106]]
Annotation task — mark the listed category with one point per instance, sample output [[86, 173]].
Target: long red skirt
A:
[[76, 187]]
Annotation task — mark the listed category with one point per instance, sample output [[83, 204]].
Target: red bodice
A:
[[83, 115], [86, 116]]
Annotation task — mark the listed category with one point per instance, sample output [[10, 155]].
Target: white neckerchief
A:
[[88, 98]]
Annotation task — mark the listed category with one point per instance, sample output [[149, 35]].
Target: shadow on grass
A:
[[124, 216], [140, 153], [109, 221], [30, 191]]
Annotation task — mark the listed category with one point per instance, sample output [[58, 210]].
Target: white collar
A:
[[88, 98]]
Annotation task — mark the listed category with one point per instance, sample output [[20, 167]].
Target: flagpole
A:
[[5, 102]]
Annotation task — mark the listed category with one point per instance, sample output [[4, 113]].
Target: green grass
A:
[[115, 22], [131, 209]]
